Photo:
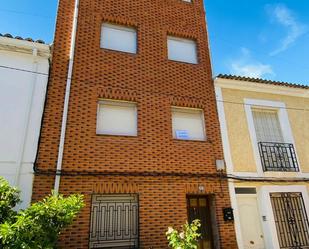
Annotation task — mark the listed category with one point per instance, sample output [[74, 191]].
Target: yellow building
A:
[[265, 134]]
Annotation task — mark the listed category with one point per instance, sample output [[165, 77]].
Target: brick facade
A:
[[156, 84]]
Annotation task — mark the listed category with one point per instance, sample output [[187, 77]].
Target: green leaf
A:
[[38, 226]]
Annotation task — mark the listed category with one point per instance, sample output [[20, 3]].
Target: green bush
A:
[[9, 198], [39, 226], [187, 238]]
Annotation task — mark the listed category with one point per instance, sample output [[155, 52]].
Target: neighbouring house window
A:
[[184, 50], [276, 154], [291, 219], [120, 38], [117, 118], [267, 126], [114, 221], [188, 123]]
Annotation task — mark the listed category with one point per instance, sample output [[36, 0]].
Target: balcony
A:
[[278, 157]]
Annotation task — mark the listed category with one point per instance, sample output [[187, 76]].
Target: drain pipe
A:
[[66, 100]]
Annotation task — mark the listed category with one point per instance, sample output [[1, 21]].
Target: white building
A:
[[24, 67]]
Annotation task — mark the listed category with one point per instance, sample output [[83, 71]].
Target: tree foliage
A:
[[39, 226], [187, 238], [9, 198]]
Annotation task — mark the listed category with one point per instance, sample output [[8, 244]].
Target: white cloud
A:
[[246, 66], [285, 17], [257, 70]]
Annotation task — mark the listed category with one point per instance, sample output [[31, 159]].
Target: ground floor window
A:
[[114, 221], [291, 220]]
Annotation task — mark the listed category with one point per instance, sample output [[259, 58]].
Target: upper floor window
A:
[[117, 118], [276, 153], [180, 49], [267, 125], [118, 37], [188, 123]]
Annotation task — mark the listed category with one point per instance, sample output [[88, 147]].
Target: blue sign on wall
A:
[[182, 134]]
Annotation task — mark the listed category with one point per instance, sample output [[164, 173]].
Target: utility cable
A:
[[146, 91]]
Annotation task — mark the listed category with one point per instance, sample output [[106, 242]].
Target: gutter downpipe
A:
[[66, 99]]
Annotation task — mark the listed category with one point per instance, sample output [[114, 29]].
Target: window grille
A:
[[291, 220], [114, 222]]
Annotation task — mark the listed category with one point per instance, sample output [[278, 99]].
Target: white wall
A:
[[22, 96]]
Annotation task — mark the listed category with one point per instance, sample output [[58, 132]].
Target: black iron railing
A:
[[278, 156]]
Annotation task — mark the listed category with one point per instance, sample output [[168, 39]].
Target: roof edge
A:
[[24, 46], [261, 86], [263, 81]]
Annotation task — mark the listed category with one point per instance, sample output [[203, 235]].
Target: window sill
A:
[[119, 51], [183, 62], [187, 2], [191, 140], [116, 135]]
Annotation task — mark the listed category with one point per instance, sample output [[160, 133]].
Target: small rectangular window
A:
[[117, 37], [188, 123], [117, 118], [240, 191], [184, 50]]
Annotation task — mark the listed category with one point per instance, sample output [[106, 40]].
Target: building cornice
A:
[[261, 87], [23, 46]]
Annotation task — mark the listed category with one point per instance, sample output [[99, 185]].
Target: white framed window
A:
[[188, 124], [180, 49], [267, 125], [119, 38], [188, 1], [117, 118]]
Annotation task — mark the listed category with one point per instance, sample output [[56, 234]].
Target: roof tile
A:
[[21, 38], [263, 81]]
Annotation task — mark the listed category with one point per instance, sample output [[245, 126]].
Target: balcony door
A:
[[267, 126], [275, 153]]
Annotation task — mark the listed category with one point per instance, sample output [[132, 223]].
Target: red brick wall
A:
[[156, 84]]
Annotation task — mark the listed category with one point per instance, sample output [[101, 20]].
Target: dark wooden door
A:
[[199, 208]]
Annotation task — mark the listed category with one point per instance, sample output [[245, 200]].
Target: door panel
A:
[[199, 208], [251, 228]]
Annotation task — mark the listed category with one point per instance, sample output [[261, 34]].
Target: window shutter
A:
[[184, 50], [188, 124], [267, 126], [118, 38], [117, 118]]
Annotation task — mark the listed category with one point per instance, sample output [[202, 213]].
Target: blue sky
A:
[[268, 39]]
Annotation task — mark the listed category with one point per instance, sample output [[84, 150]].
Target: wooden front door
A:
[[199, 208]]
